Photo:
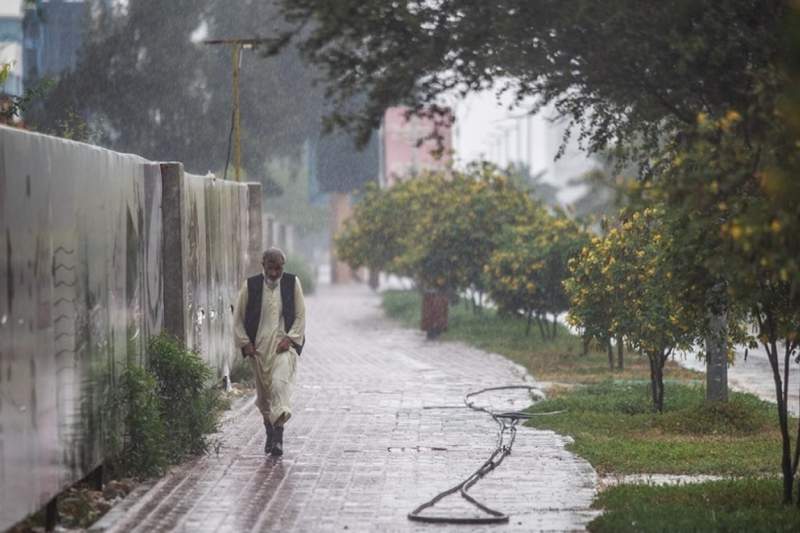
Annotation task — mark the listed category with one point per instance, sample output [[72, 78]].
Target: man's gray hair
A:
[[274, 254]]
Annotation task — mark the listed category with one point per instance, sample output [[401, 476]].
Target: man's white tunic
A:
[[274, 372]]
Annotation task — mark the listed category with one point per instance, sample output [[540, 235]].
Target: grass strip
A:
[[616, 431], [751, 505], [558, 359]]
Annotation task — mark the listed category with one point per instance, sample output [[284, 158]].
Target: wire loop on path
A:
[[507, 433]]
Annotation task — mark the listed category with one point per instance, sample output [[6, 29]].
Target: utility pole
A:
[[237, 45], [237, 123]]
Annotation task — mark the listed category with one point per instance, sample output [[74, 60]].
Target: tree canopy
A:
[[623, 70]]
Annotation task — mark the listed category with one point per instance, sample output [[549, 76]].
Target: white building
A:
[[11, 13], [487, 129]]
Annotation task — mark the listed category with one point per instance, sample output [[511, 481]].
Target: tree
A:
[[607, 186], [144, 86], [528, 269], [591, 308], [649, 307], [661, 61], [758, 237], [483, 201], [520, 175], [438, 229], [372, 237], [776, 311]]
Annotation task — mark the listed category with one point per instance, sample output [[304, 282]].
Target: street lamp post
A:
[[237, 45]]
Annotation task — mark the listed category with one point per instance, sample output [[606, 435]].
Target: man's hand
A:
[[249, 350], [284, 344]]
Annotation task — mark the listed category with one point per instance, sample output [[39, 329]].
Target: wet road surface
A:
[[378, 428], [753, 375]]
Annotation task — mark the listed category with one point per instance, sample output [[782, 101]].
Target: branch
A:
[[667, 104]]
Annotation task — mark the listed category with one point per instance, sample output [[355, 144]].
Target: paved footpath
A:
[[379, 427]]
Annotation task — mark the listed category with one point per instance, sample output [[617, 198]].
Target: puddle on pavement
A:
[[507, 399], [654, 479]]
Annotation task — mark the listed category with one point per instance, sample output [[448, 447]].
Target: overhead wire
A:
[[230, 142]]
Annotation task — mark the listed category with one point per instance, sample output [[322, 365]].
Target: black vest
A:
[[252, 312]]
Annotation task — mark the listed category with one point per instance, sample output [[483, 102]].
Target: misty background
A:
[[135, 76]]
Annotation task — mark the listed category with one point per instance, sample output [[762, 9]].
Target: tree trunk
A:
[[434, 312], [657, 361], [661, 383], [783, 421], [620, 353], [796, 462], [555, 326], [771, 346], [541, 326], [610, 352], [717, 345], [586, 341], [374, 279], [528, 325]]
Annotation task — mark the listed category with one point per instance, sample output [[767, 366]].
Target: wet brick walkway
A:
[[378, 428]]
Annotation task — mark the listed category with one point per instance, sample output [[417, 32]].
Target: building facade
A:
[[408, 150], [11, 45], [53, 35]]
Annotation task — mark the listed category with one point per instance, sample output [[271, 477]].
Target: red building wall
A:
[[401, 155]]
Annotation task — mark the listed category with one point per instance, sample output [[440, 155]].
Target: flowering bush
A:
[[623, 285], [438, 229], [527, 271]]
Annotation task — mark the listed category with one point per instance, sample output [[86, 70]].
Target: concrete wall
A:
[[219, 254], [99, 251]]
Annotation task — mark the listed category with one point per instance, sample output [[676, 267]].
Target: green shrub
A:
[[188, 406], [741, 415], [298, 266], [242, 372], [141, 450], [403, 305], [159, 415]]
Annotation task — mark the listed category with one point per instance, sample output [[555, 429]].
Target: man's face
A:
[[273, 268]]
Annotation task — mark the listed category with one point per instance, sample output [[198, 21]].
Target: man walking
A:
[[269, 329]]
